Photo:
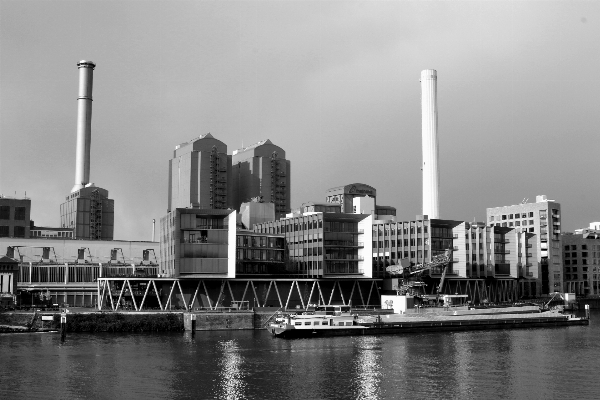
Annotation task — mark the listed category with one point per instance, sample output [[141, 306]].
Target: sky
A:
[[334, 83]]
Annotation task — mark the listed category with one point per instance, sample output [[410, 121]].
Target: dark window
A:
[[3, 231], [19, 231], [4, 212], [20, 213]]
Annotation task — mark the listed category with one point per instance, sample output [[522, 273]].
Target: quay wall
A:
[[217, 321], [95, 321]]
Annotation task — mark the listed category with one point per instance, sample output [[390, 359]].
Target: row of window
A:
[[504, 217], [19, 214], [18, 231], [51, 234]]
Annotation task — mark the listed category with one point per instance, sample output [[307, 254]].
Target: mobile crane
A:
[[440, 260]]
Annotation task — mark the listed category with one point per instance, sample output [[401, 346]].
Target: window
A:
[[584, 247], [517, 223], [567, 247], [531, 214], [530, 229], [510, 216], [19, 231], [503, 217], [324, 323], [530, 222], [4, 212], [584, 254], [573, 247], [492, 218], [297, 323], [3, 231], [307, 323], [524, 215]]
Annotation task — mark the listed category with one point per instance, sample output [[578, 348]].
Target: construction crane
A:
[[440, 260]]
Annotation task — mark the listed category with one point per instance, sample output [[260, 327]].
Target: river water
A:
[[548, 363]]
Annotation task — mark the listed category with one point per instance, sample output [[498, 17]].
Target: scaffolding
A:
[[96, 215]]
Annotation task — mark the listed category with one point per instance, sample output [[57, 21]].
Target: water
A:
[[532, 364]]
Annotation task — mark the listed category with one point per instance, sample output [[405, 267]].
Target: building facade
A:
[[581, 257], [261, 171], [198, 174], [89, 213], [542, 218], [15, 217], [488, 262], [198, 242]]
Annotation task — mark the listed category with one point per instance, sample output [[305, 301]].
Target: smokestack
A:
[[84, 124], [431, 172]]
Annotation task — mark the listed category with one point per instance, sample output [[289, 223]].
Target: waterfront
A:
[[527, 363]]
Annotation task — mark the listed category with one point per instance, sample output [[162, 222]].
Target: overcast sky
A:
[[335, 84]]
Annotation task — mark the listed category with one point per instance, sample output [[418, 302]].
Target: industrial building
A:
[[543, 218], [581, 257], [261, 171], [198, 174]]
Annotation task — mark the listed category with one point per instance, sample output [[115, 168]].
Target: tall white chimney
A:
[[84, 124], [431, 172]]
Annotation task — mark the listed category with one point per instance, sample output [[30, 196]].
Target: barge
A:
[[307, 325]]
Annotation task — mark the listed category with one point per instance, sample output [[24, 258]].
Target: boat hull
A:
[[426, 326]]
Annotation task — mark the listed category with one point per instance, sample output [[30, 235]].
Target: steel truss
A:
[[496, 290], [214, 294]]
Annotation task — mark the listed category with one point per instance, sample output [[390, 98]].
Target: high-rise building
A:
[[542, 218], [198, 174], [15, 217], [261, 171]]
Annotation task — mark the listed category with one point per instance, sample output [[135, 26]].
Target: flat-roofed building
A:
[[197, 242], [487, 262], [49, 232], [15, 217], [581, 257], [261, 171], [325, 245], [544, 219]]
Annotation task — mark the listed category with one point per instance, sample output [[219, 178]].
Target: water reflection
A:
[[231, 377], [367, 368]]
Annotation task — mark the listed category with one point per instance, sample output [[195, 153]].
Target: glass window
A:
[[4, 212]]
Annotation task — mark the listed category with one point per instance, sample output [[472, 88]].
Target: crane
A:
[[440, 260]]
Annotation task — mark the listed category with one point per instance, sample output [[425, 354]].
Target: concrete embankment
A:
[[91, 321]]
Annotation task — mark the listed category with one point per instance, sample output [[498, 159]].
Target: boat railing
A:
[[271, 317]]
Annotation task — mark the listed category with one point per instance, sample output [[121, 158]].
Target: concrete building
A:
[[261, 171], [67, 270], [197, 242], [581, 257], [325, 245], [198, 174], [15, 217], [49, 232], [345, 195], [253, 212], [9, 275], [429, 123], [493, 263], [544, 219], [89, 213]]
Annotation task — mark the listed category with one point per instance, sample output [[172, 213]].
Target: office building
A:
[[544, 219], [581, 257], [493, 263], [261, 171]]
